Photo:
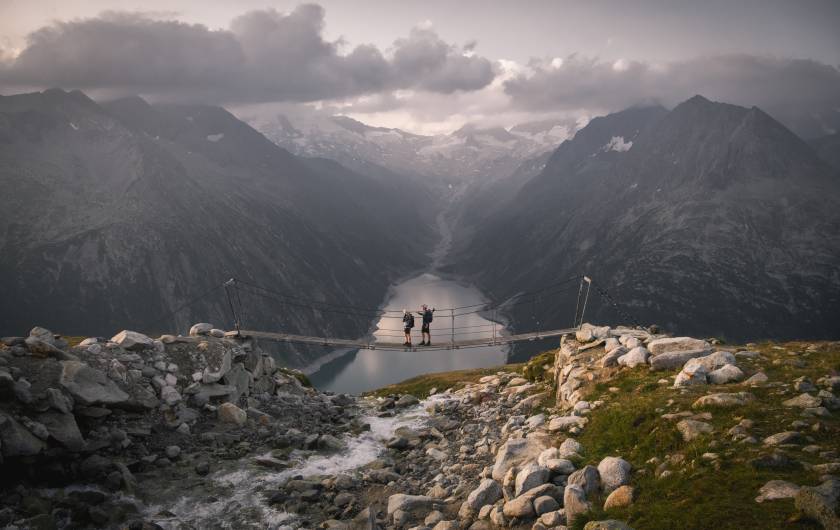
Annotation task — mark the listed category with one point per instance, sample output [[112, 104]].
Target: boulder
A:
[[16, 440], [564, 423], [132, 340], [488, 492], [569, 447], [725, 375], [690, 376], [723, 399], [785, 438], [584, 335], [675, 344], [587, 478], [529, 477], [758, 378], [777, 489], [675, 359], [240, 379], [803, 401], [611, 344], [63, 428], [620, 497], [574, 503], [691, 429], [636, 357], [89, 386], [406, 400], [611, 357], [43, 334], [230, 413], [170, 395], [545, 504], [614, 472], [218, 333], [218, 361], [407, 503], [202, 328], [560, 466], [820, 502], [711, 362], [516, 451], [521, 507]]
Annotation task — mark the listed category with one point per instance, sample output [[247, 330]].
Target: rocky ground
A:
[[618, 428]]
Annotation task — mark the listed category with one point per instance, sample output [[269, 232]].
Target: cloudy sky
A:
[[429, 65]]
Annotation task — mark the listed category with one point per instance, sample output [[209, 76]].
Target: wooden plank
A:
[[393, 346]]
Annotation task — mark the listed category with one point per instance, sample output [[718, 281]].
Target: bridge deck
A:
[[393, 346]]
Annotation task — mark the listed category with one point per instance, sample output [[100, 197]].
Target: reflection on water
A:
[[362, 370]]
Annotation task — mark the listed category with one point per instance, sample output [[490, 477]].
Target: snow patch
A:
[[617, 143], [215, 137]]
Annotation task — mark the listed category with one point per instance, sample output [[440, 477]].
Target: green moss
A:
[[300, 376], [539, 367]]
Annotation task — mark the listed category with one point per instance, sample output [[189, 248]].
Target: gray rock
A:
[[230, 413], [218, 333], [89, 386], [587, 478], [202, 328], [529, 477], [218, 359], [16, 439], [612, 356], [545, 504], [723, 399], [42, 334], [241, 380], [758, 378], [515, 452], [63, 427], [675, 359], [520, 507], [607, 524], [691, 376], [784, 438], [614, 472], [691, 429], [777, 489], [803, 401], [406, 400], [676, 344], [638, 356], [574, 503], [488, 492], [408, 503], [821, 502], [132, 340], [725, 375], [170, 396], [569, 447], [712, 361], [564, 423], [172, 452]]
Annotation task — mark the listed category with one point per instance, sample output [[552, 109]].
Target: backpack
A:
[[428, 316], [410, 322]]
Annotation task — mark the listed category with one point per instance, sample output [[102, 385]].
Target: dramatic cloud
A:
[[264, 56], [794, 90]]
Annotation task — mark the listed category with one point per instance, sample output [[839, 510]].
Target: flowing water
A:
[[234, 497]]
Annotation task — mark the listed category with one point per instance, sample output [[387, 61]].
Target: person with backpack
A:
[[428, 316], [408, 323]]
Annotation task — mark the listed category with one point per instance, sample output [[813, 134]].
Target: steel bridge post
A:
[[228, 284]]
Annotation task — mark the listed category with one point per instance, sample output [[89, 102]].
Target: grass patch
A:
[[73, 341], [421, 385], [699, 493]]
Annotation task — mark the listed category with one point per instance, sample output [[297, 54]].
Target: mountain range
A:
[[118, 214], [706, 217], [471, 153]]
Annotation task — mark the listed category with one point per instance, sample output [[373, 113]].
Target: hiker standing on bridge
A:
[[408, 323], [428, 316]]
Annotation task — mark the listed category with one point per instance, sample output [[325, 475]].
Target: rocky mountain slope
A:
[[707, 218], [124, 212], [828, 147], [466, 154]]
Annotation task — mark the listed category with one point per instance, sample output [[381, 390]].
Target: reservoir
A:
[[361, 370]]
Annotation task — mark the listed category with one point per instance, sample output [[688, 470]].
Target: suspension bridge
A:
[[451, 337]]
